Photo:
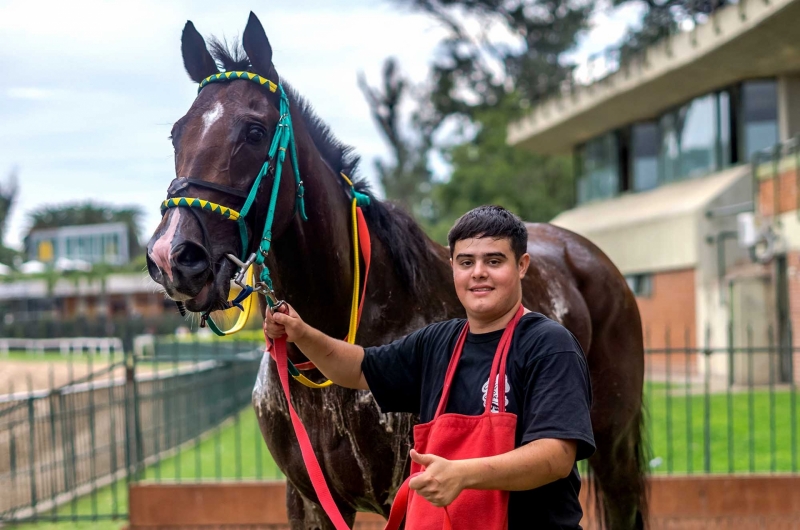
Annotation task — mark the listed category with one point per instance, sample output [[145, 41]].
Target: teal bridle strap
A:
[[281, 142]]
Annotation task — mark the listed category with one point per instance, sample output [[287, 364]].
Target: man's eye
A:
[[466, 263]]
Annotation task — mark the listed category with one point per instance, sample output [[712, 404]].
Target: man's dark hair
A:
[[490, 221]]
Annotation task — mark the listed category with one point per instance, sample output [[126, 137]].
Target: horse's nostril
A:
[[191, 256], [152, 268]]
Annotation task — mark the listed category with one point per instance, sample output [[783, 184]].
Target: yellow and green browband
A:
[[230, 76], [177, 202]]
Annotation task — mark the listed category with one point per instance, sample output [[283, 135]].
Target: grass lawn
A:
[[54, 356], [746, 431], [233, 451]]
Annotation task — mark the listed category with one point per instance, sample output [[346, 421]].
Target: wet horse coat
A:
[[364, 454]]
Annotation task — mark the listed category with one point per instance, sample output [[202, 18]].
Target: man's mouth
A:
[[481, 289]]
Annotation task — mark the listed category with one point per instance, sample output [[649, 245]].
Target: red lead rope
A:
[[310, 459], [324, 496], [398, 511]]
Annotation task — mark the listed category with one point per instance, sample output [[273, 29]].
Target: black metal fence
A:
[[170, 413], [722, 410], [179, 410]]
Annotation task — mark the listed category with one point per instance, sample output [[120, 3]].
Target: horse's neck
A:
[[314, 268]]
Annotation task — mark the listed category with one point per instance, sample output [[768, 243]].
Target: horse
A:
[[220, 144]]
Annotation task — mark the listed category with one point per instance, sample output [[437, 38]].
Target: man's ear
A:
[[524, 263]]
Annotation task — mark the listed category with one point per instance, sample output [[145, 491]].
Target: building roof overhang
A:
[[747, 40], [656, 230]]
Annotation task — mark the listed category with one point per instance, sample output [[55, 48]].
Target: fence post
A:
[[133, 440], [32, 445]]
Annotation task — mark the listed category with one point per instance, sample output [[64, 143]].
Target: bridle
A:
[[282, 141]]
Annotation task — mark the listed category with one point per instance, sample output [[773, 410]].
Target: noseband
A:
[[282, 141]]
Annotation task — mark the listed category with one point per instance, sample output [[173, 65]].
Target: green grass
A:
[[233, 451], [747, 432], [53, 356]]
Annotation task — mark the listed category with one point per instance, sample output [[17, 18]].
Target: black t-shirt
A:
[[547, 387]]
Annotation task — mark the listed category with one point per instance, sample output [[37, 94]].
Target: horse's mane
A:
[[403, 238]]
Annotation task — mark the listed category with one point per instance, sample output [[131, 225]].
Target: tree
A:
[[8, 196], [485, 81], [407, 179], [487, 170], [87, 213], [663, 18]]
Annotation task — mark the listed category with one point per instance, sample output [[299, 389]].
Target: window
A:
[[598, 167], [759, 112], [697, 137], [644, 156], [640, 284]]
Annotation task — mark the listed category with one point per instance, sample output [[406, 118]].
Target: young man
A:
[[471, 448]]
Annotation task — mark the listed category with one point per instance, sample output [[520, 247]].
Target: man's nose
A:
[[479, 271]]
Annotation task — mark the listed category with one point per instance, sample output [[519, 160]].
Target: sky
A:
[[90, 89]]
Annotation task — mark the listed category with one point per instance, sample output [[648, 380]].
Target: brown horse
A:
[[223, 140]]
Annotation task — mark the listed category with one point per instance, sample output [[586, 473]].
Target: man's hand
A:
[[440, 482], [286, 322]]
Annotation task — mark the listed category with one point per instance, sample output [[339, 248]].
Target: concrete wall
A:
[[747, 40]]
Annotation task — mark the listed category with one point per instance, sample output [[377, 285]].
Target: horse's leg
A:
[[619, 463], [304, 514]]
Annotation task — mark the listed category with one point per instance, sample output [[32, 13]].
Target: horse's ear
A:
[[196, 58], [256, 45]]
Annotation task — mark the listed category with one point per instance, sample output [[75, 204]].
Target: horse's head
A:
[[221, 144]]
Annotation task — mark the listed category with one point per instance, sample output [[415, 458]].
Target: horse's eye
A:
[[255, 134]]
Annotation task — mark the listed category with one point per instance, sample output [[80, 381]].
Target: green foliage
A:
[[664, 18], [489, 171], [496, 59], [88, 213], [8, 195]]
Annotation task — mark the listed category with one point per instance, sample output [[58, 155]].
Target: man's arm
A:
[[339, 361], [527, 467]]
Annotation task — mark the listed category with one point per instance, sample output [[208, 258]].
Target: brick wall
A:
[[668, 314], [786, 186]]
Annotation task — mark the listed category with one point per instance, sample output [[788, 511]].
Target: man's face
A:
[[487, 276]]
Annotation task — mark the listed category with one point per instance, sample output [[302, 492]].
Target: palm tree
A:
[[8, 195]]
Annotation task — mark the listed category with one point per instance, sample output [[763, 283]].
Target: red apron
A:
[[457, 437]]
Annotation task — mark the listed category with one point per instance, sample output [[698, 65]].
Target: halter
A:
[[282, 141]]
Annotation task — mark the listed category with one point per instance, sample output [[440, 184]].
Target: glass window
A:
[[644, 156], [640, 284], [696, 126], [759, 116], [599, 168], [669, 159]]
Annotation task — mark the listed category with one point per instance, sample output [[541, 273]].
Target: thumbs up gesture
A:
[[440, 482]]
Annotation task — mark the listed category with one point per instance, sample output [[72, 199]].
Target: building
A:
[[674, 184], [97, 243]]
